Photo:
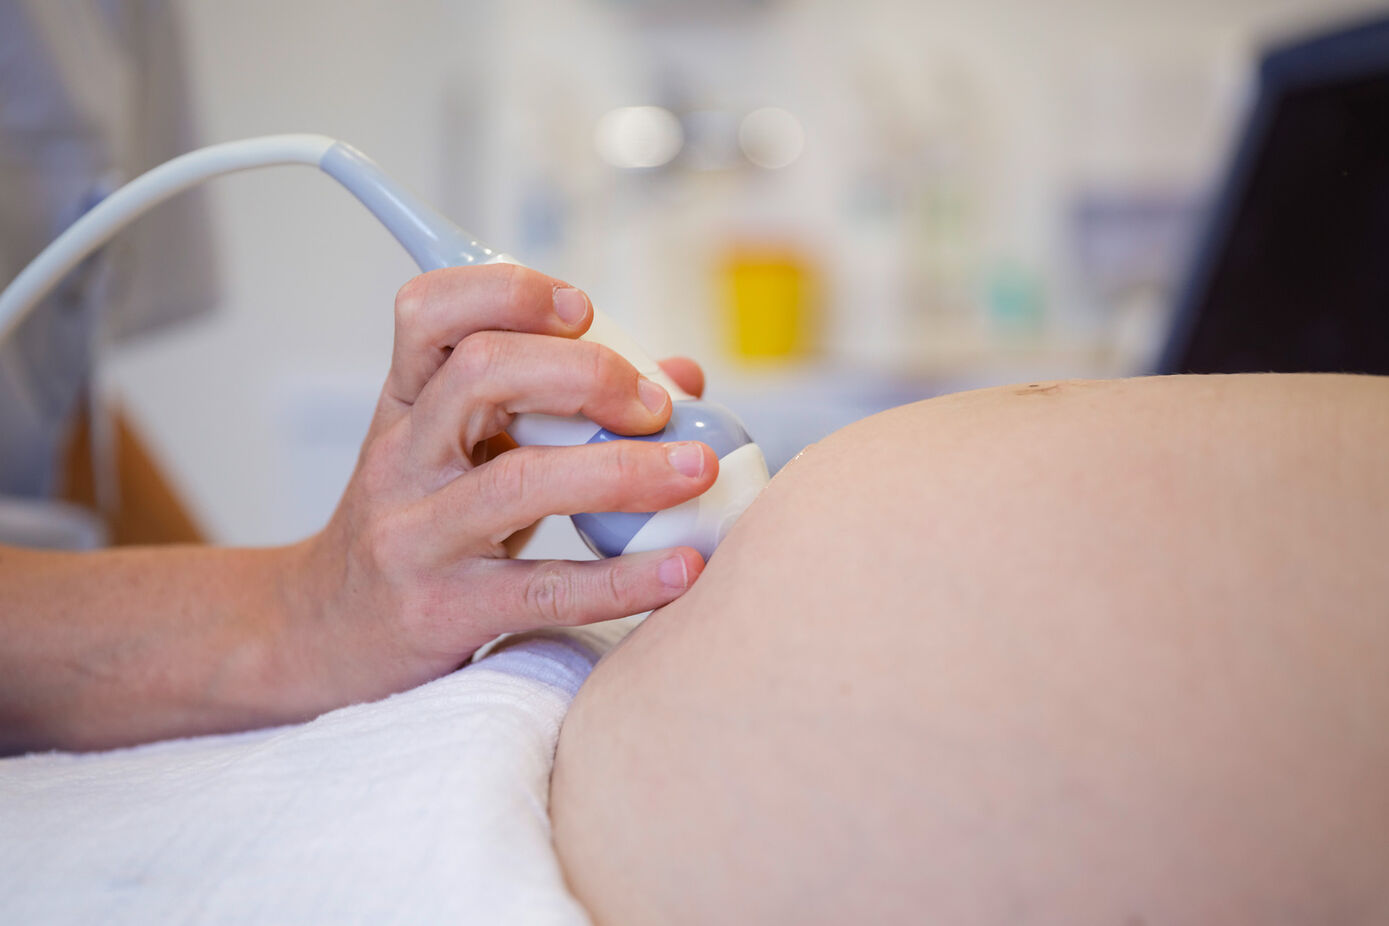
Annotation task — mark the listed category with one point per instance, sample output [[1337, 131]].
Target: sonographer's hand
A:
[[411, 576]]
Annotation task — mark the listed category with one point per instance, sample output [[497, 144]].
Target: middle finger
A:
[[494, 375]]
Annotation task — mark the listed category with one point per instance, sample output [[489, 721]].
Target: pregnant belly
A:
[[1051, 653]]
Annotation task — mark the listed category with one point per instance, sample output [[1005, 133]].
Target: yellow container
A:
[[769, 301]]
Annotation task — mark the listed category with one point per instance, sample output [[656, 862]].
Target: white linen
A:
[[429, 806]]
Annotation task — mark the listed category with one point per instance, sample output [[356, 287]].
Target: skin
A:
[[1055, 653], [409, 577]]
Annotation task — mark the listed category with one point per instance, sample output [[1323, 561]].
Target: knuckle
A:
[[516, 282], [617, 583], [387, 541], [605, 365], [606, 379], [550, 594], [509, 475], [629, 461], [478, 355], [410, 301]]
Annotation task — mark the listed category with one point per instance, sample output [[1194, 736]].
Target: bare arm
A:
[[111, 648], [409, 577]]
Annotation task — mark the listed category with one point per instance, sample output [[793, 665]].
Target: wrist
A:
[[299, 646], [331, 650]]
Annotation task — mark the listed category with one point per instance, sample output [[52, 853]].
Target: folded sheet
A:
[[429, 806]]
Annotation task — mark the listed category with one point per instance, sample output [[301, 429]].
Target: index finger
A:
[[436, 310]]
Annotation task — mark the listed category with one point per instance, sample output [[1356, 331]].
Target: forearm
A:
[[117, 647], [410, 576]]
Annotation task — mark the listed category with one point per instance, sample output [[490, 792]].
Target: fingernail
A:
[[651, 394], [673, 573], [686, 458], [570, 305]]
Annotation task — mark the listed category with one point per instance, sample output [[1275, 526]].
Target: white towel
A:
[[429, 806]]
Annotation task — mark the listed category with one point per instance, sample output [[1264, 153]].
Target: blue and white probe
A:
[[435, 242]]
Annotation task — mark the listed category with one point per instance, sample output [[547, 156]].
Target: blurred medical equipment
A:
[[435, 242], [1290, 275], [92, 92]]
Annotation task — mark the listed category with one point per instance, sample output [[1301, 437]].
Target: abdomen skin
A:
[[1109, 652]]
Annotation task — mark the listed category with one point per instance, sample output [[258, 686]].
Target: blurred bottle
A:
[[769, 297]]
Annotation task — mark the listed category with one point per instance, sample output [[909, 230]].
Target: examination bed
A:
[[428, 806]]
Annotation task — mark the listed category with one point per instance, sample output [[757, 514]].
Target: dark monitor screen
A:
[[1294, 272]]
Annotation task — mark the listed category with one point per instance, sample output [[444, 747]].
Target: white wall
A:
[[308, 276], [258, 410]]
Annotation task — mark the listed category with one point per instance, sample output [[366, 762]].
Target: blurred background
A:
[[835, 207]]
